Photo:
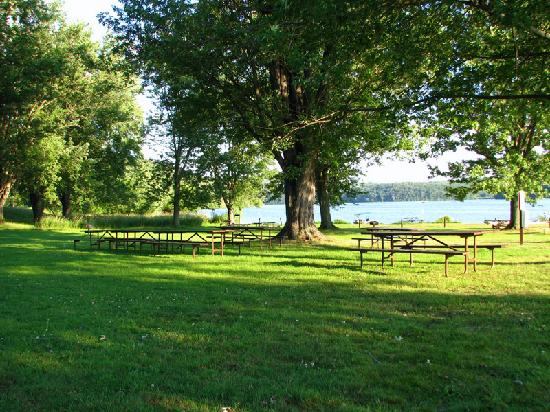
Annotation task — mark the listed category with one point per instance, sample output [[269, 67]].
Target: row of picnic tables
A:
[[170, 239], [391, 241]]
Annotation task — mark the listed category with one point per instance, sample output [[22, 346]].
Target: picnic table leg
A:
[[446, 265], [410, 259], [466, 254], [222, 241], [361, 259], [492, 257], [213, 246]]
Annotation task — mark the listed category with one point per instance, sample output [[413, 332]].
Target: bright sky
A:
[[389, 171]]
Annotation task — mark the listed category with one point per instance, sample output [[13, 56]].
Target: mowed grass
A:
[[293, 328]]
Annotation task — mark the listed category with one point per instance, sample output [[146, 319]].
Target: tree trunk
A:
[[176, 205], [230, 214], [514, 215], [4, 193], [37, 204], [177, 191], [66, 204], [324, 200], [299, 202]]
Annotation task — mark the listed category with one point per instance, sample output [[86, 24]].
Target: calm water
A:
[[469, 211]]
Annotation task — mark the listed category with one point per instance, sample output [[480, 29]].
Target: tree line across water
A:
[[279, 97]]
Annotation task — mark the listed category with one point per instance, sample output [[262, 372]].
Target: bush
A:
[[217, 219], [340, 222], [18, 214]]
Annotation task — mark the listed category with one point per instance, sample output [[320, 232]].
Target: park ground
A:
[[293, 328]]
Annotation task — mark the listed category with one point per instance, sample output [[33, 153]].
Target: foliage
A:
[[70, 123], [29, 62], [18, 214], [291, 74], [238, 171], [445, 219], [218, 218]]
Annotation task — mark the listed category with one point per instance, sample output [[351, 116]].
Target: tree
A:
[[181, 137], [513, 149], [284, 69], [238, 170], [28, 63], [287, 69], [501, 76]]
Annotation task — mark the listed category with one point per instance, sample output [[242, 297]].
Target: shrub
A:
[[18, 214], [340, 222], [217, 219]]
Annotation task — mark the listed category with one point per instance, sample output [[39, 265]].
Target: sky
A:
[[389, 171]]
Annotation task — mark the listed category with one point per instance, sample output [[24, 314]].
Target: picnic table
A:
[[252, 233], [497, 223], [408, 241], [158, 238]]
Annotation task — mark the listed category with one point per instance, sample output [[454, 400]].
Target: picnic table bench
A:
[[446, 253]]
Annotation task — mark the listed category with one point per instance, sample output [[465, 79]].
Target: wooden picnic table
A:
[[408, 238], [178, 236], [252, 232]]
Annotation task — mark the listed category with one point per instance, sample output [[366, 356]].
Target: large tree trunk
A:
[[299, 202], [5, 188], [514, 215], [37, 204], [230, 214], [324, 200], [66, 204]]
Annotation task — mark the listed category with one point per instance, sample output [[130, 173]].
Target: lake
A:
[[469, 211]]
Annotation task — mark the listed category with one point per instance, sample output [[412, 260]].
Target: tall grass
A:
[[24, 215], [128, 221], [56, 222]]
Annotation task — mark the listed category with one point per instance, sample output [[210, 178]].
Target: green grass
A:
[[295, 328]]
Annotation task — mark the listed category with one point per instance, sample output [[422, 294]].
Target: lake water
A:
[[469, 211]]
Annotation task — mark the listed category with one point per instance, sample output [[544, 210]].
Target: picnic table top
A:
[[432, 232], [215, 230], [247, 227]]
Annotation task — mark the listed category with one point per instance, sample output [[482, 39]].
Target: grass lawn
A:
[[295, 328]]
